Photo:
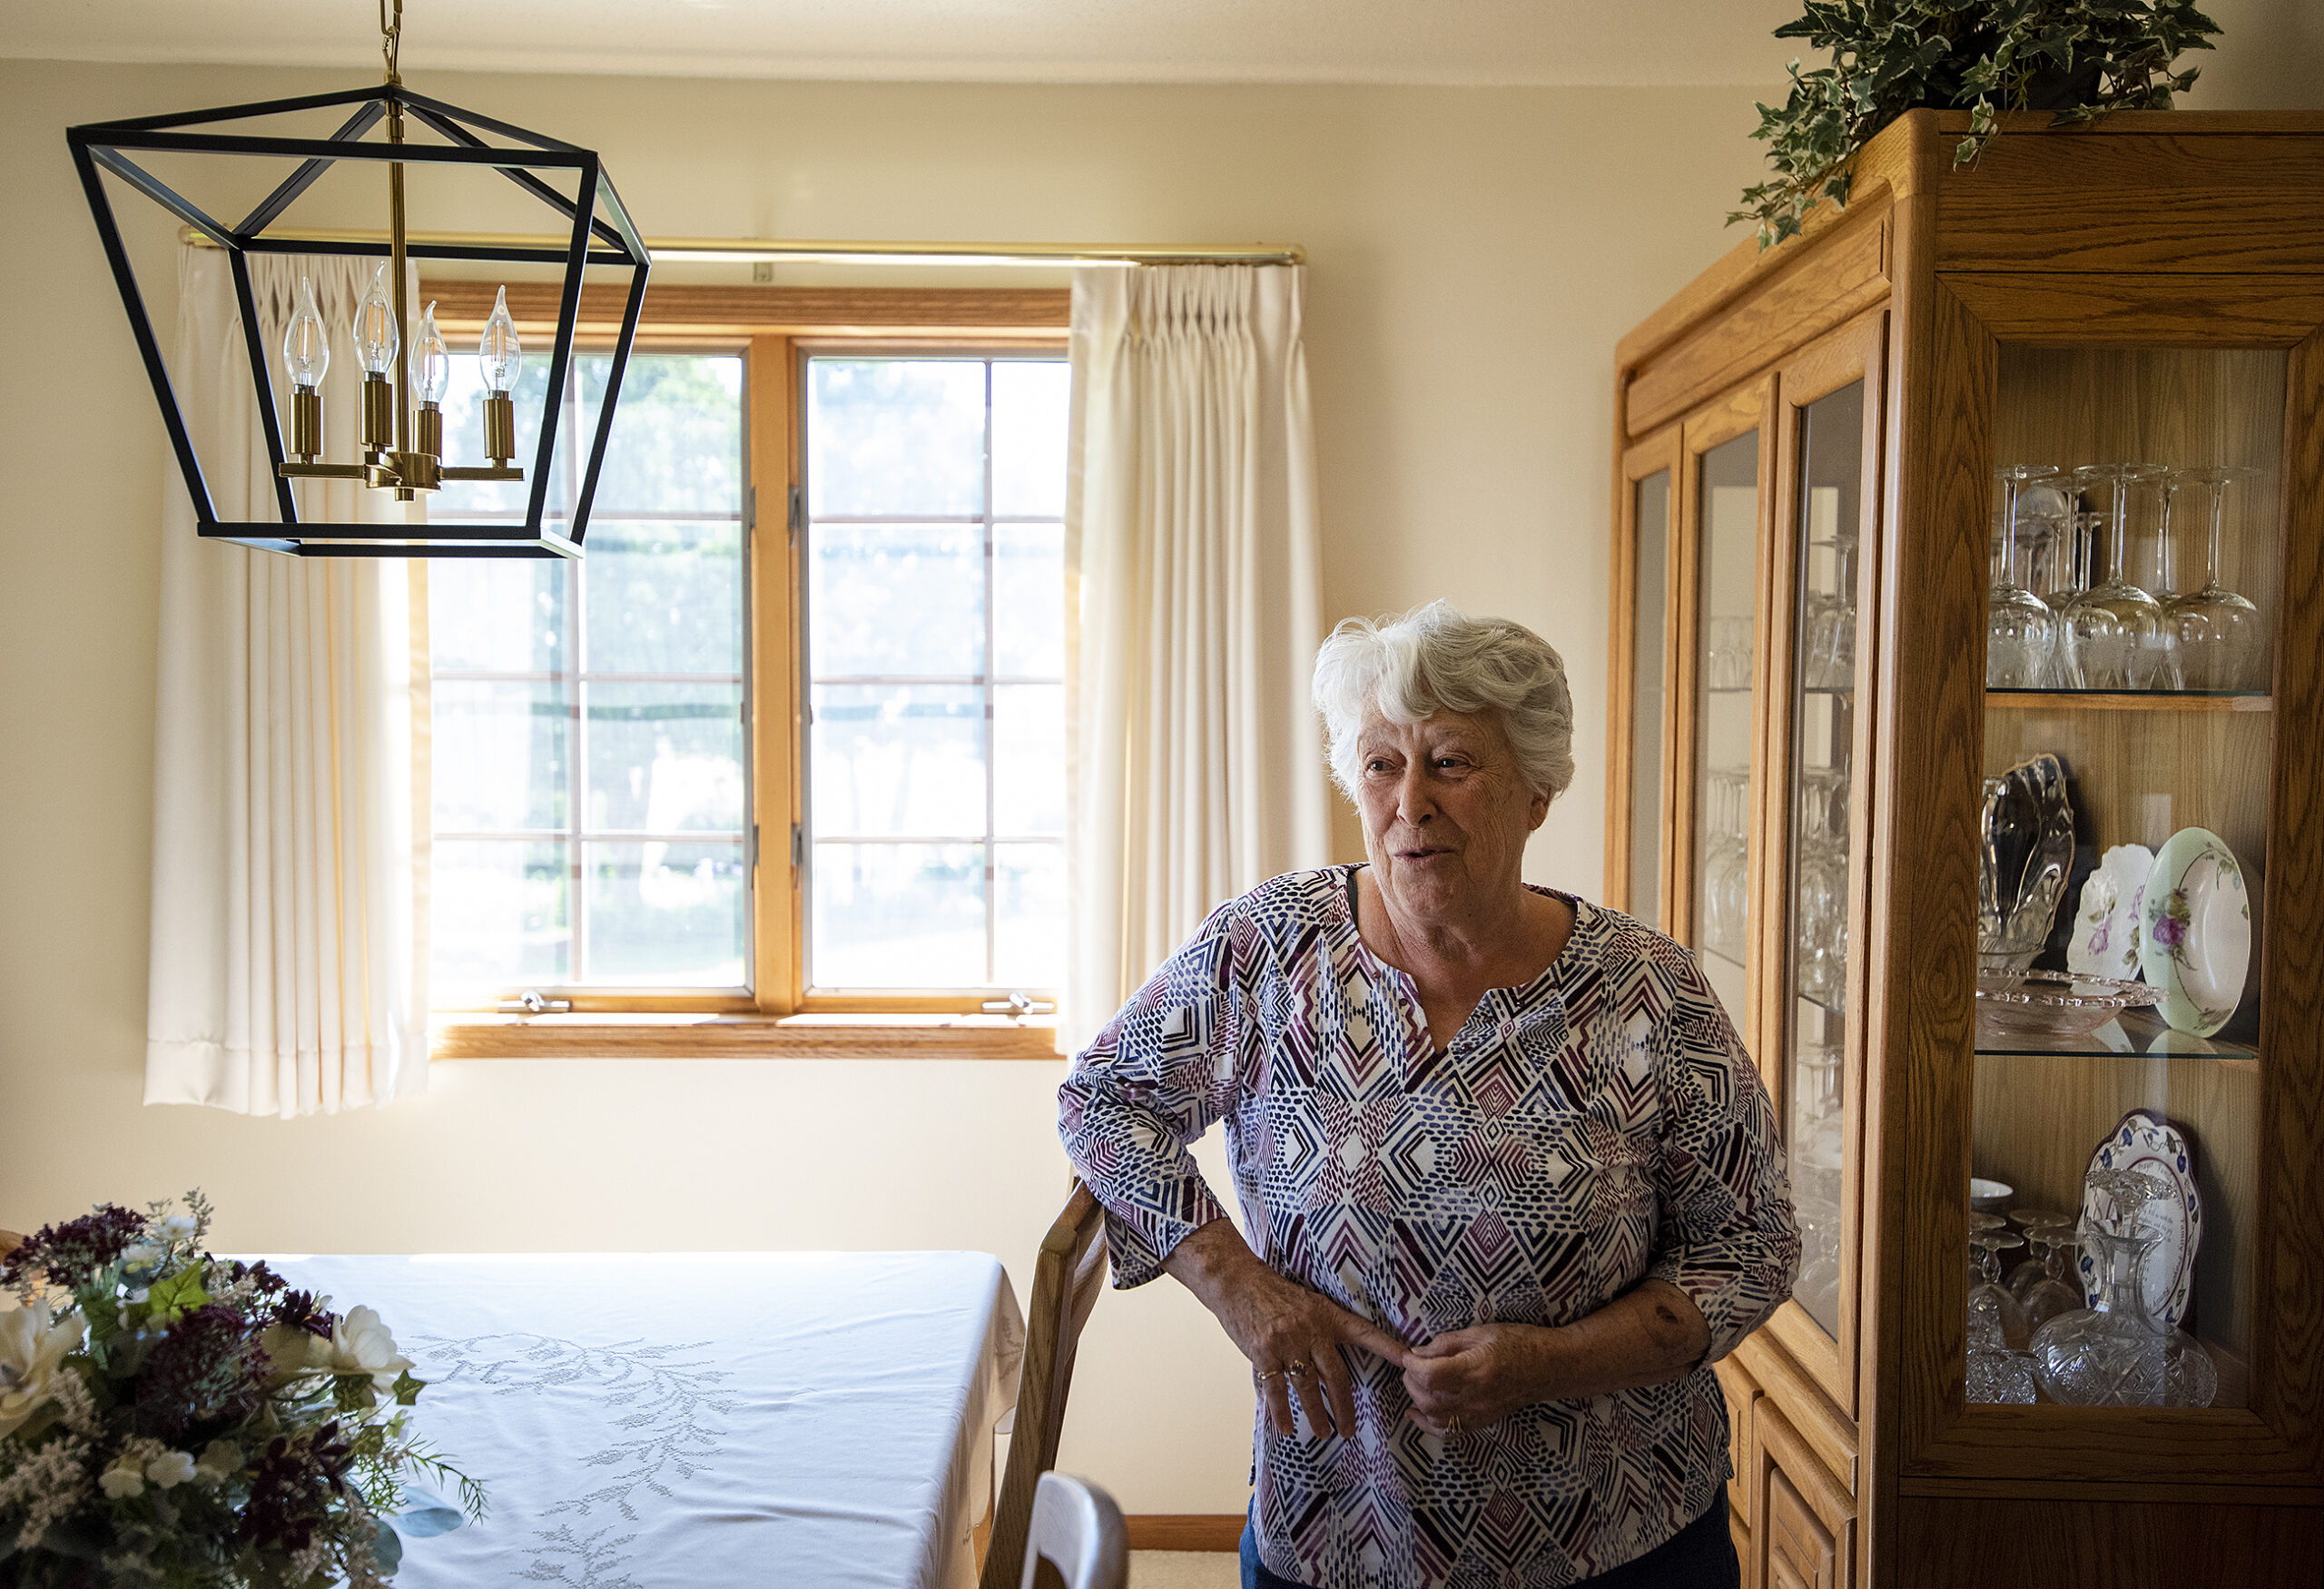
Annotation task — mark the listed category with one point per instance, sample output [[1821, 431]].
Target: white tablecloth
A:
[[807, 1420]]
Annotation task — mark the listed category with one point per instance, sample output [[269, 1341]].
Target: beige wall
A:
[[1475, 254]]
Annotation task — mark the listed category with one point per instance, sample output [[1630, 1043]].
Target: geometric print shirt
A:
[[1598, 1126]]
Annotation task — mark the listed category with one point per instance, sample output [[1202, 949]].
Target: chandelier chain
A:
[[390, 36]]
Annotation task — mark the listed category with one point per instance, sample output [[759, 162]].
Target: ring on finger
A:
[[1454, 1426], [1297, 1369], [1263, 1376]]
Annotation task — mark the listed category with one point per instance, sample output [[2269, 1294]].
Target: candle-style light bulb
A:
[[434, 358], [306, 343], [499, 350], [375, 336]]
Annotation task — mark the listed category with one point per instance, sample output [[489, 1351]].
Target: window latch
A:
[[1017, 1006], [531, 1001]]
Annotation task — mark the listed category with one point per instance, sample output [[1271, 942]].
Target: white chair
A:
[[1078, 1530]]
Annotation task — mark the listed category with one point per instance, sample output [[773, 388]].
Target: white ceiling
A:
[[1562, 42]]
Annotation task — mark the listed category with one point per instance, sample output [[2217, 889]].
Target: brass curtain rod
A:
[[736, 251]]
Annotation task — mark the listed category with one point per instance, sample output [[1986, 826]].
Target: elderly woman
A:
[[1511, 1181]]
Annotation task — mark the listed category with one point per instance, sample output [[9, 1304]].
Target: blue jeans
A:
[[1701, 1555]]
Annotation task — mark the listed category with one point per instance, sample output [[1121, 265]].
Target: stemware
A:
[[2118, 1354], [2217, 632], [2020, 628], [2114, 634], [2048, 1292], [1996, 1318]]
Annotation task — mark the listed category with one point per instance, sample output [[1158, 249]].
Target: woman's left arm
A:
[[1724, 1257]]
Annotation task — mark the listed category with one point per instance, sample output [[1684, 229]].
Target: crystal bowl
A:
[[2054, 1003]]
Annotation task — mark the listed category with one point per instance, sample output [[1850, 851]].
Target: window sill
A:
[[696, 1036]]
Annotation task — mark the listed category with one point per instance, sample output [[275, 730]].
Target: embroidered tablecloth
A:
[[809, 1420]]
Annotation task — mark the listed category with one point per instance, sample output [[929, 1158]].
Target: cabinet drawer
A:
[[1802, 1520]]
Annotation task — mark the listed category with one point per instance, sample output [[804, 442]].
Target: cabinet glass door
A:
[[1827, 621], [1651, 591], [1726, 676], [2113, 1220]]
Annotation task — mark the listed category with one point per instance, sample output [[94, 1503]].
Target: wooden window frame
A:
[[771, 327]]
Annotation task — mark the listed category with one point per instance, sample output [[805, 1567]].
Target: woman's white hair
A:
[[1436, 659]]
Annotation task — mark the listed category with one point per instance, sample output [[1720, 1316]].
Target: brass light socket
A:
[[379, 414], [306, 422], [429, 432], [500, 427]]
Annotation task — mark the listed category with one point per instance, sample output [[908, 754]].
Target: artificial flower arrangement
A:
[[176, 1421]]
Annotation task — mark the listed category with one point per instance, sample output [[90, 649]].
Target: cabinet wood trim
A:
[[1803, 1524], [1655, 455], [2060, 310], [1785, 1385], [1790, 310]]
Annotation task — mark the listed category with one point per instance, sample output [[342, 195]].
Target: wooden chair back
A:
[[1066, 1278], [1076, 1530]]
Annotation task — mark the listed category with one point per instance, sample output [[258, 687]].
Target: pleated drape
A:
[[1194, 570], [289, 972]]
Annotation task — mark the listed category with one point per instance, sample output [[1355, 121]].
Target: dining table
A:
[[813, 1420]]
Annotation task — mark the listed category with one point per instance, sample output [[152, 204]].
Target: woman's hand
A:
[[1651, 1334], [1293, 1336], [1473, 1378]]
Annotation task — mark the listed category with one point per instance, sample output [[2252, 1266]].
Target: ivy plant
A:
[[2076, 58]]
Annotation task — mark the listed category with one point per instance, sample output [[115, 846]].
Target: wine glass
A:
[[1996, 1318], [2020, 628], [2217, 632], [2115, 636]]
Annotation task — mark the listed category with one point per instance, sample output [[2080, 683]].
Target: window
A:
[[588, 748], [791, 737], [935, 837]]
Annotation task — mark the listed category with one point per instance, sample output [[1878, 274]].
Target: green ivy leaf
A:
[[172, 1298], [406, 1389]]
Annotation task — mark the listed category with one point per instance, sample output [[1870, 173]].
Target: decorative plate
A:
[[2196, 931], [2149, 1144], [2053, 1004], [2022, 864], [2106, 931]]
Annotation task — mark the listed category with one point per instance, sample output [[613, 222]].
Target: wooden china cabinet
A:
[[1802, 741]]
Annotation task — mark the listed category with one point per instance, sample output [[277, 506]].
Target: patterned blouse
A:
[[1598, 1126]]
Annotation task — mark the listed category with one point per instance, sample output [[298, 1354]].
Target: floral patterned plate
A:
[[2195, 923], [2106, 931], [2147, 1142]]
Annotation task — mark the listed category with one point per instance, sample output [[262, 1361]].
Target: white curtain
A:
[[1191, 529], [290, 836]]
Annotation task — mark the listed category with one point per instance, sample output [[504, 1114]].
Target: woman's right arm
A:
[[1166, 1067]]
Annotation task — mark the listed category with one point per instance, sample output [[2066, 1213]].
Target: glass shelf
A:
[[2132, 700], [2133, 1034]]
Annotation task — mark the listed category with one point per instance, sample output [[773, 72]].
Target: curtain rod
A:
[[738, 251]]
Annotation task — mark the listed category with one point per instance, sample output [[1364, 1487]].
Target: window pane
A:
[[677, 441], [1029, 600], [499, 917], [499, 750], [664, 598], [895, 437], [667, 914], [895, 599], [898, 917], [1028, 915], [1029, 760], [665, 758], [1029, 437], [906, 760], [497, 615]]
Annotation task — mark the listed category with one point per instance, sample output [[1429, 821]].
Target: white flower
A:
[[140, 1255], [175, 1226], [121, 1483], [361, 1344], [34, 1344], [169, 1469]]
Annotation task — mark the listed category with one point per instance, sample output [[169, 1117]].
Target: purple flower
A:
[[74, 1251], [206, 1371], [2169, 929]]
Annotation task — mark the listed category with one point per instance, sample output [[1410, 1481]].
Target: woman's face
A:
[[1445, 813]]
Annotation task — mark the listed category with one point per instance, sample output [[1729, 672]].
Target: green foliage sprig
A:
[[2077, 58]]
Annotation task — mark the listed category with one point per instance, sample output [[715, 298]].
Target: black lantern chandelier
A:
[[402, 441]]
